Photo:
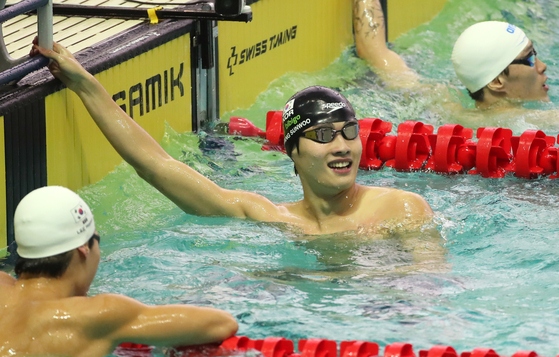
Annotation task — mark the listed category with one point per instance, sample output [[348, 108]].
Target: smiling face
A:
[[328, 168], [524, 81]]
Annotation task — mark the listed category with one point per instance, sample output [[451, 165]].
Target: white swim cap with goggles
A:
[[484, 50], [51, 220]]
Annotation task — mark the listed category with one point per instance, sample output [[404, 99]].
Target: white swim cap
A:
[[484, 50], [51, 220]]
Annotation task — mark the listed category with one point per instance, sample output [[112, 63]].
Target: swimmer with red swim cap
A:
[[494, 60], [321, 139], [46, 310]]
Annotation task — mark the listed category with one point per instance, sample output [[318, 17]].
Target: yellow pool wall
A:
[[77, 152], [404, 15]]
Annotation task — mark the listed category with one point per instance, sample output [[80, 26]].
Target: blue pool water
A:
[[501, 290]]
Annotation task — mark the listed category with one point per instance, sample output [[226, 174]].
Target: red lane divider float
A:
[[450, 151], [314, 347]]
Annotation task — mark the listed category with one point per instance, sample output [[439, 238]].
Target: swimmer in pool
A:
[[47, 311], [494, 60], [321, 139]]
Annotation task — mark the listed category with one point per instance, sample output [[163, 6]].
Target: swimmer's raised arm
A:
[[191, 191], [123, 319], [326, 162], [370, 35]]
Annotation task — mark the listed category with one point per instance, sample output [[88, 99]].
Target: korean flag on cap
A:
[[289, 105], [288, 110], [78, 212]]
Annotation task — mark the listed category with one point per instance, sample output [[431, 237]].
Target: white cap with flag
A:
[[51, 220], [484, 50]]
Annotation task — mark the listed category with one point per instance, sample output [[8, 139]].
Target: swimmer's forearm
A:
[[369, 22], [186, 187], [128, 138], [180, 325], [370, 43], [370, 32]]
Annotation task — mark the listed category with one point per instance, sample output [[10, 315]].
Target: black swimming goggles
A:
[[529, 60], [97, 237], [325, 135]]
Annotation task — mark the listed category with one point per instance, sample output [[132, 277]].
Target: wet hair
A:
[[479, 95], [49, 267]]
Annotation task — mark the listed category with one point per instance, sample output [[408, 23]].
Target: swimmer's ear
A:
[[497, 84], [84, 250]]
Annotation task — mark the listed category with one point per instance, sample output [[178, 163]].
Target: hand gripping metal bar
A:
[[15, 69]]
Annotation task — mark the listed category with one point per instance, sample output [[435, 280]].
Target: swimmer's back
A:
[[35, 325]]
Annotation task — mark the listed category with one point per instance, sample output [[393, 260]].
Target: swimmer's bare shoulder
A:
[[394, 206]]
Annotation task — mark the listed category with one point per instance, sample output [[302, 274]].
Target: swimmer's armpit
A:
[[368, 17]]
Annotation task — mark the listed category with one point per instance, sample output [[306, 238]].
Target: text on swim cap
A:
[[291, 121], [297, 128], [511, 28], [287, 114], [333, 105]]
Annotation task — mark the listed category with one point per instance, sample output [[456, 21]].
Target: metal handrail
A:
[[15, 69]]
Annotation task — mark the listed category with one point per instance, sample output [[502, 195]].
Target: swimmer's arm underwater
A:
[[370, 34], [418, 234], [428, 252], [123, 319], [188, 189]]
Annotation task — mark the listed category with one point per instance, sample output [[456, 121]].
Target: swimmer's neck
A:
[[499, 104], [321, 207], [45, 288]]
